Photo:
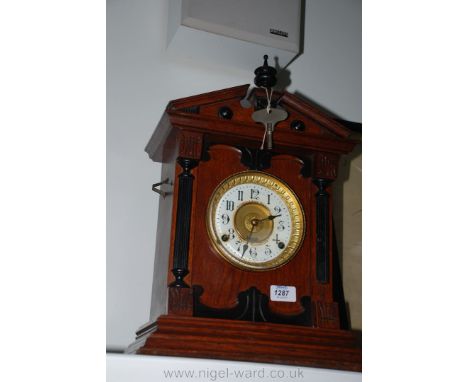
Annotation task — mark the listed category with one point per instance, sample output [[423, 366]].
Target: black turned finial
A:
[[265, 76]]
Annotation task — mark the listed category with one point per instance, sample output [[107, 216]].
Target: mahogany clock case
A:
[[201, 141]]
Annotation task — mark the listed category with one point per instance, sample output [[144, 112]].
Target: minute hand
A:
[[271, 217]]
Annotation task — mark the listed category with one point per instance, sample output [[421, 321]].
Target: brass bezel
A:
[[289, 198]]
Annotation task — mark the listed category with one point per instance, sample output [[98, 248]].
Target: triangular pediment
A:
[[215, 104], [222, 116]]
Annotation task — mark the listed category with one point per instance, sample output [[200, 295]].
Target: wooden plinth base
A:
[[250, 341]]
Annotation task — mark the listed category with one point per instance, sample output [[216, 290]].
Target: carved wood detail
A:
[[190, 144], [327, 315], [326, 165], [180, 301]]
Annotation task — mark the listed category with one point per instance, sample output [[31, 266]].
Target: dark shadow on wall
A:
[[338, 221]]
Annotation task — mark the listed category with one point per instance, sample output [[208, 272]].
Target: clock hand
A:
[[246, 245], [254, 223], [271, 217], [244, 248]]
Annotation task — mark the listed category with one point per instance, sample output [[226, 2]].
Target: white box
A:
[[235, 33]]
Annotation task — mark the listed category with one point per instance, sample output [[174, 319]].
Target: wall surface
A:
[[141, 79]]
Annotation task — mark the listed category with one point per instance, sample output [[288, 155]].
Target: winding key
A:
[[269, 120]]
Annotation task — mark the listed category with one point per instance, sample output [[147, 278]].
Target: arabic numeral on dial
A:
[[225, 218], [237, 243], [267, 251], [229, 205], [231, 233], [268, 198], [240, 195], [277, 209], [253, 252], [254, 193], [281, 225]]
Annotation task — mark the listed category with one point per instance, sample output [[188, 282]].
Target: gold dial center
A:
[[251, 219]]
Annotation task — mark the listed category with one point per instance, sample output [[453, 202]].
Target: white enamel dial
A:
[[255, 221]]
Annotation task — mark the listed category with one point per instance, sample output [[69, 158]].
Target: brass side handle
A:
[[155, 188]]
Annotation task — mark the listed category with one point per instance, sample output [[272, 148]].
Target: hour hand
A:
[[246, 245], [271, 217]]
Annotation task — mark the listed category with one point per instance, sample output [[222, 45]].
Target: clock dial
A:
[[255, 221]]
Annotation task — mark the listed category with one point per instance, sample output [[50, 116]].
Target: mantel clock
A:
[[246, 198]]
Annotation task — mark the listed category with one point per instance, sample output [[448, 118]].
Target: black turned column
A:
[[322, 230], [325, 308], [182, 231]]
